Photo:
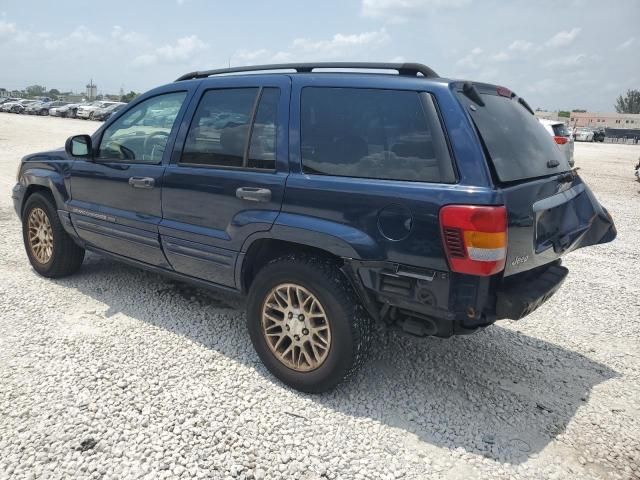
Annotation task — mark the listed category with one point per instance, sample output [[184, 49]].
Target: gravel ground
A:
[[119, 373]]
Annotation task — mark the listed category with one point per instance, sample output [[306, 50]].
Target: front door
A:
[[227, 175], [115, 196]]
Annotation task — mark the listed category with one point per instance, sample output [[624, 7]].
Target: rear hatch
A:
[[551, 211]]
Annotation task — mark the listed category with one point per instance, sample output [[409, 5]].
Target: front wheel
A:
[[51, 251], [306, 323]]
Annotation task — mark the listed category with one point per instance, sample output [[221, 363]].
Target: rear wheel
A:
[[306, 323], [51, 251]]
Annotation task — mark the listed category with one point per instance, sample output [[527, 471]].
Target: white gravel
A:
[[154, 379]]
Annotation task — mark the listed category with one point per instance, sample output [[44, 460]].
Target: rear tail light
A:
[[560, 140], [475, 238]]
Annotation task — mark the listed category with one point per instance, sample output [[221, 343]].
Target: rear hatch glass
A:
[[518, 145], [560, 130]]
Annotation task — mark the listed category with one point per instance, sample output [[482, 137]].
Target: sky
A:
[[556, 54]]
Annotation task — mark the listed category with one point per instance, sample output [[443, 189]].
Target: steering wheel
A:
[[157, 139]]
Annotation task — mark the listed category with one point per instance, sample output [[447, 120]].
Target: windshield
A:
[[519, 147]]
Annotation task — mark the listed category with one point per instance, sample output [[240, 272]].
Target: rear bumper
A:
[[429, 302], [520, 295]]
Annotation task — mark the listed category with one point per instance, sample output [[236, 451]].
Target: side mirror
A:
[[79, 146]]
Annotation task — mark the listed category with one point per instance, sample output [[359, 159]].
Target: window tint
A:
[[220, 126], [518, 145], [141, 134], [369, 133], [262, 149]]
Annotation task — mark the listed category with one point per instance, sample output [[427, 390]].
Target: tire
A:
[[65, 256], [349, 326], [91, 116]]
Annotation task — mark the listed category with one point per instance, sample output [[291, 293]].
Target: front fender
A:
[[51, 177]]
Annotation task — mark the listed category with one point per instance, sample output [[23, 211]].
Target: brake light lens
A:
[[475, 238], [560, 140], [504, 92]]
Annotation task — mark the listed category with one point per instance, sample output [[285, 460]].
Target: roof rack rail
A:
[[409, 69]]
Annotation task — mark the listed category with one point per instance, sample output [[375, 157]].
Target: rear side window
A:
[[370, 133], [234, 128], [518, 145]]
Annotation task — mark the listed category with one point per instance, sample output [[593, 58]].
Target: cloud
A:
[[80, 36], [563, 38], [335, 45], [338, 46], [181, 51], [520, 46], [128, 36], [470, 60], [7, 29], [500, 57], [626, 44], [403, 10], [569, 61]]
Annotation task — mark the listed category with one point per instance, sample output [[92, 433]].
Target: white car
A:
[[561, 135], [584, 135], [86, 111]]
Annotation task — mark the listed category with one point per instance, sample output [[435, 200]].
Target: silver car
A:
[[562, 136]]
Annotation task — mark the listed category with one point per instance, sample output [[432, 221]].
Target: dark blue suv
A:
[[332, 199]]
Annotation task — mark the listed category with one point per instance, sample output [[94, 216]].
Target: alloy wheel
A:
[[40, 235], [296, 327]]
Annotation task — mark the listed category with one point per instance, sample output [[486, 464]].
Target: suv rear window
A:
[[370, 133], [519, 147], [560, 130]]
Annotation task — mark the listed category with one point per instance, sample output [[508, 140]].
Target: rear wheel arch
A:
[[264, 250]]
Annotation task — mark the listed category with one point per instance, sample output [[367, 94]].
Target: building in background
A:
[[606, 120], [4, 93], [92, 90], [548, 115]]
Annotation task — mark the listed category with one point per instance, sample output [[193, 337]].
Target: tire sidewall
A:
[[341, 354]]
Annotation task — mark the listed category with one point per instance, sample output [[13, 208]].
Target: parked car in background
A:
[[87, 111], [331, 200], [46, 107], [599, 134], [562, 136], [17, 107], [104, 113], [8, 99], [583, 135], [32, 108], [68, 110]]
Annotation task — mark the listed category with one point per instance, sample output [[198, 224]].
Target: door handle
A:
[[142, 182], [254, 194]]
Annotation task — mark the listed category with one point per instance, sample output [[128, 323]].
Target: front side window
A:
[[229, 129], [370, 133], [141, 134]]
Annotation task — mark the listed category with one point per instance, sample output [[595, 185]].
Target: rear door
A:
[[551, 211], [227, 174], [115, 197]]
